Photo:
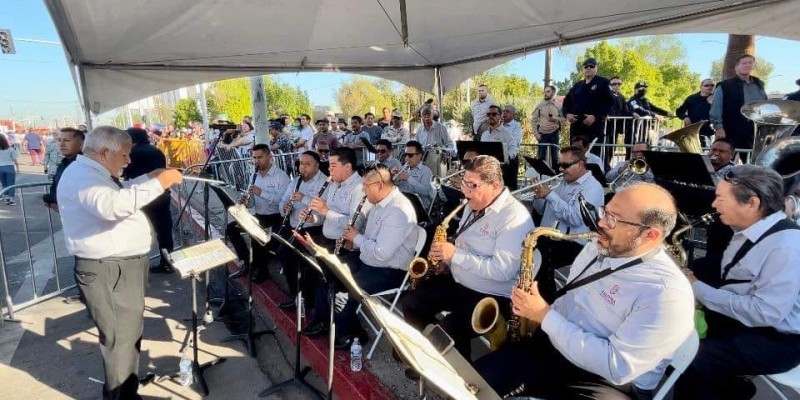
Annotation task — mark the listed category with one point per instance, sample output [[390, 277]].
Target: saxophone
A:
[[353, 220], [675, 243], [486, 317], [418, 267]]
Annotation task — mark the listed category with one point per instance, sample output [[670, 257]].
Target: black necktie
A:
[[117, 182]]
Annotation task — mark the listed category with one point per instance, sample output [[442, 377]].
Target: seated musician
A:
[[416, 178], [721, 156], [483, 259], [591, 158], [268, 185], [561, 206], [386, 247], [295, 200], [455, 181], [384, 155], [751, 296], [622, 315], [637, 151], [334, 209]]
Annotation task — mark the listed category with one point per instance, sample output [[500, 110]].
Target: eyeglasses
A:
[[612, 220], [410, 154], [381, 151], [469, 185], [323, 151], [589, 66], [711, 85], [616, 83], [492, 114], [565, 165]]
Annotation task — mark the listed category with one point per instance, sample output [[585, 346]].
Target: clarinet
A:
[[308, 216], [245, 199], [353, 219], [291, 209]]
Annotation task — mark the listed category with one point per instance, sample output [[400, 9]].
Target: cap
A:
[[589, 61], [397, 114], [640, 84]]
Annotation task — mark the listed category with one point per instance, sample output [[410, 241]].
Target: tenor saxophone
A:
[[486, 317], [418, 268]]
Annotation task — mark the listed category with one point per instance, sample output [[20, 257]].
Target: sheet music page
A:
[[249, 223], [201, 257]]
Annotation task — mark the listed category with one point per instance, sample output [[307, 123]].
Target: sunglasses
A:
[[409, 154], [711, 85], [381, 151], [564, 165], [492, 114], [616, 83], [589, 66]]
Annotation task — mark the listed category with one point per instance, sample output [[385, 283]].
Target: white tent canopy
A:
[[126, 50]]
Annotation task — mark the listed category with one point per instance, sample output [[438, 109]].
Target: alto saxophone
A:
[[486, 317], [418, 268], [674, 244], [353, 220]]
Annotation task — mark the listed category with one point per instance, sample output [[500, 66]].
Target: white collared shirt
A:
[[306, 133], [436, 136], [400, 135], [562, 204], [100, 219], [342, 200], [273, 185], [502, 135], [309, 189], [390, 236], [771, 298], [479, 110], [626, 326], [488, 253], [419, 182], [516, 137]]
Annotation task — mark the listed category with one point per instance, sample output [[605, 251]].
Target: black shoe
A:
[[411, 374], [162, 269], [344, 342], [315, 329], [240, 273], [260, 275], [289, 304]]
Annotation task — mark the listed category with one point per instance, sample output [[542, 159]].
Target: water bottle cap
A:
[[355, 340]]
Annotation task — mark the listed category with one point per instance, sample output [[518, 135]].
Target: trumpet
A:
[[405, 168], [525, 193], [636, 167], [436, 182]]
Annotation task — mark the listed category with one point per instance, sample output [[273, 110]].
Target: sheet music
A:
[[201, 257], [249, 223]]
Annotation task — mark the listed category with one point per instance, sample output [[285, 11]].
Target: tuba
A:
[[687, 138], [774, 122], [418, 268], [486, 317]]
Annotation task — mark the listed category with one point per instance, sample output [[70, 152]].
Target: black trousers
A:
[[158, 212], [291, 263], [510, 172], [260, 253], [443, 293], [114, 291], [547, 374]]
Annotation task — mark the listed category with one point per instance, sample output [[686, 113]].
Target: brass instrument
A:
[[418, 268], [687, 138], [675, 243], [774, 120], [353, 220], [405, 168], [636, 166], [525, 193], [437, 182], [486, 317]]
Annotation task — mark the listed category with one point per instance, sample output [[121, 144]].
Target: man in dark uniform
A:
[[587, 104], [145, 158], [729, 97], [615, 126], [696, 107], [641, 106]]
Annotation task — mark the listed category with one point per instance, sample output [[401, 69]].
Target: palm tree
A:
[[737, 46]]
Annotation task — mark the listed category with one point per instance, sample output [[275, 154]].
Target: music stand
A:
[[688, 177], [249, 224], [190, 262], [540, 166], [494, 149], [597, 173], [368, 145], [298, 378], [227, 202], [419, 208]]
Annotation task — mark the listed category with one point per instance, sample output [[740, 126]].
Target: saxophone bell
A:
[[417, 269], [487, 320]]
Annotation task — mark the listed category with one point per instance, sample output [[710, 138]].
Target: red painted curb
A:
[[347, 384]]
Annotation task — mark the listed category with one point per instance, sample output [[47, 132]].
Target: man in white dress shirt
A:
[[511, 170], [625, 310], [417, 178], [267, 186], [751, 295], [484, 261], [110, 237]]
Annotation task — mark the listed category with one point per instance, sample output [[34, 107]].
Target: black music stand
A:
[[250, 224], [419, 208], [298, 378], [688, 177], [193, 273], [227, 202], [597, 173], [540, 166], [494, 149]]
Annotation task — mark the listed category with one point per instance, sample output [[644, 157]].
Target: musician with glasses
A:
[[624, 312], [482, 260], [383, 150], [415, 177], [623, 168], [387, 245], [751, 296], [561, 206]]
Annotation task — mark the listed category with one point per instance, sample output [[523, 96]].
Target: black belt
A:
[[104, 259]]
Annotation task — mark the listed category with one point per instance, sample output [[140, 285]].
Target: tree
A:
[[361, 95], [738, 45], [185, 111], [283, 98], [763, 70], [232, 97]]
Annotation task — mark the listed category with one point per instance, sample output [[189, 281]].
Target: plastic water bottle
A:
[[355, 356], [186, 370]]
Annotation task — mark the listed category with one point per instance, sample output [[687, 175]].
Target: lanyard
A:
[[577, 282]]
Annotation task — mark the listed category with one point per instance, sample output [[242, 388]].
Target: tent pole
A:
[[87, 112], [437, 79], [201, 92], [260, 116]]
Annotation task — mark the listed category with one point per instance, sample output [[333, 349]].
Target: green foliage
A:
[[185, 111], [763, 69], [283, 98], [232, 97], [361, 95]]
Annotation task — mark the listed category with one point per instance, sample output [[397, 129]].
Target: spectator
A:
[[34, 144], [479, 109], [70, 143], [9, 166], [546, 123], [374, 131], [305, 135], [641, 106], [281, 139], [52, 156], [324, 135], [387, 118], [587, 105], [396, 132]]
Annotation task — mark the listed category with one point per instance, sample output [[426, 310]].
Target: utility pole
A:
[[548, 66], [260, 117]]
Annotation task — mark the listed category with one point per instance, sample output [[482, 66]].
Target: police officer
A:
[[587, 104]]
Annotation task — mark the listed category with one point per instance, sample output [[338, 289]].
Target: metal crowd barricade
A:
[[4, 273]]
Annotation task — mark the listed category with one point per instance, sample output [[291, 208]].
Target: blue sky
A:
[[36, 82]]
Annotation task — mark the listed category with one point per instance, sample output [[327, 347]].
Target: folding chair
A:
[[789, 378], [395, 293], [683, 357]]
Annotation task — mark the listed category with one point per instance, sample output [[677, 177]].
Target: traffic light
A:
[[7, 42]]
